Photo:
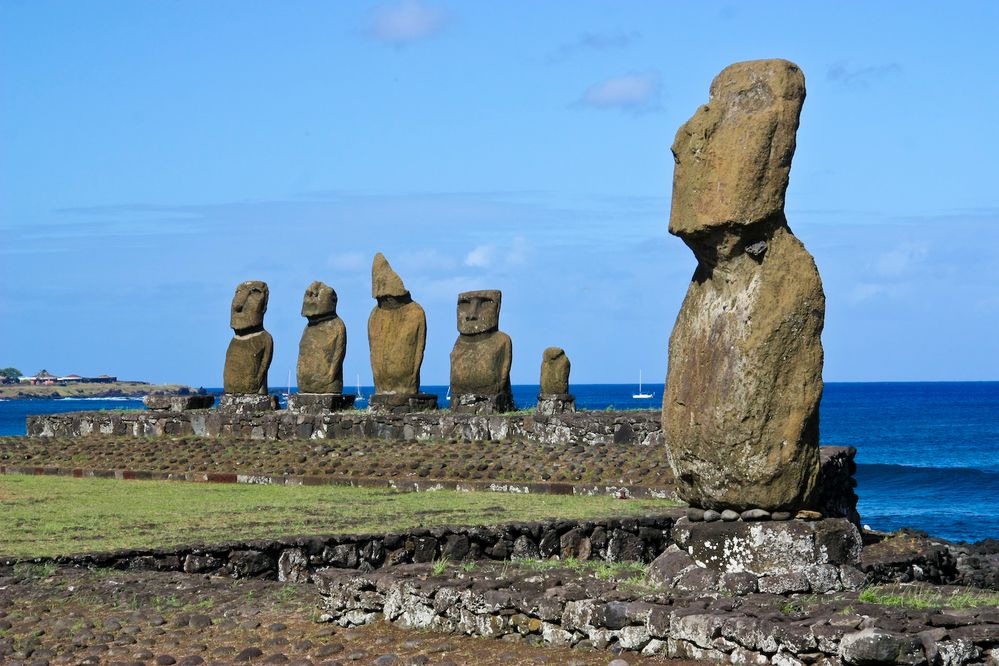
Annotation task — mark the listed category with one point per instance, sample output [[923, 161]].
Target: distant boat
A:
[[640, 394], [448, 396], [359, 397], [288, 393]]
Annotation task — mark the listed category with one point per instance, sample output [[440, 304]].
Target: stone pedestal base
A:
[[556, 403], [478, 403], [402, 403], [177, 403], [317, 403], [776, 557], [247, 403]]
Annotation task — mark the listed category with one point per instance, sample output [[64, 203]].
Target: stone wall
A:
[[567, 607], [297, 558], [584, 427]]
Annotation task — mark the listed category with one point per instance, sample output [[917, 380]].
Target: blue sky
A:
[[155, 154]]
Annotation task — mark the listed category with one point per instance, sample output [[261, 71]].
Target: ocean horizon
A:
[[927, 452]]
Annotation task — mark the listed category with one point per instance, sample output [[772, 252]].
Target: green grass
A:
[[48, 516], [923, 597]]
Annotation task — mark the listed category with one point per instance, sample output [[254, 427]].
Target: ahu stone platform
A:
[[584, 427]]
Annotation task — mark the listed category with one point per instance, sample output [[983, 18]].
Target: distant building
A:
[[69, 379], [102, 379]]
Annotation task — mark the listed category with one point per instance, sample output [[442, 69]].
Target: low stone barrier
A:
[[563, 607], [583, 427], [298, 558]]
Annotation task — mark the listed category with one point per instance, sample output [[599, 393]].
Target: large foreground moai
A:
[[481, 357], [397, 335], [741, 409], [320, 354], [248, 357], [554, 397]]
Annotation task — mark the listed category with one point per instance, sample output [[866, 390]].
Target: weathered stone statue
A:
[[554, 397], [481, 357], [397, 335], [248, 357], [741, 408], [320, 354]]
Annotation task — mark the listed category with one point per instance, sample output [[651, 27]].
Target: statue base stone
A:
[[556, 403], [318, 403], [247, 403], [177, 403], [774, 557], [478, 403], [402, 403]]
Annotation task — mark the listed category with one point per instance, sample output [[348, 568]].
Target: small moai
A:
[[481, 357], [244, 379], [320, 355], [397, 336], [554, 397]]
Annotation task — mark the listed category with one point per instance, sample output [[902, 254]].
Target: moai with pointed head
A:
[[554, 397], [397, 336], [320, 354], [250, 351], [482, 355]]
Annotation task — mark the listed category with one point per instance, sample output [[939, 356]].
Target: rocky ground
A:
[[82, 616], [624, 464]]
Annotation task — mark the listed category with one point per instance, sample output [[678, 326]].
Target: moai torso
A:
[[481, 363], [554, 372], [397, 336]]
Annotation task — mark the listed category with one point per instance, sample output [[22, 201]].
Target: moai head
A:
[[386, 285], [249, 305], [478, 311], [319, 301]]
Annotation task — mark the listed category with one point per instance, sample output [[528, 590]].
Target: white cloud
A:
[[635, 93], [480, 257], [594, 41], [405, 22]]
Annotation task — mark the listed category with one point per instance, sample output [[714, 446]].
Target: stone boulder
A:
[[555, 368], [740, 411]]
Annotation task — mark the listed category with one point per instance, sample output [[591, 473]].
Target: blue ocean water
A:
[[928, 453]]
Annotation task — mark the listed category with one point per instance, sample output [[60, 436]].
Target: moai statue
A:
[[397, 335], [741, 407], [482, 355], [248, 357], [554, 397], [320, 355]]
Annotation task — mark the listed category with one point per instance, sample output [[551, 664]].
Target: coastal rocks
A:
[[397, 335], [177, 403], [740, 413], [323, 344], [481, 357], [554, 397], [251, 349]]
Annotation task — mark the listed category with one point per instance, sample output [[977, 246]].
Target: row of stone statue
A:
[[397, 335]]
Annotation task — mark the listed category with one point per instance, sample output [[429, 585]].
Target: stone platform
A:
[[477, 403], [246, 403], [397, 403], [556, 403], [177, 403], [319, 403]]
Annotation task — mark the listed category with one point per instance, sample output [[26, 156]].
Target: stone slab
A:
[[556, 403], [402, 403], [177, 403], [478, 403], [773, 548], [318, 403], [246, 403]]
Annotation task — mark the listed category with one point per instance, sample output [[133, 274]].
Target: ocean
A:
[[928, 453]]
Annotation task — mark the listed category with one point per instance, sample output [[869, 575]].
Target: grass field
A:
[[45, 516]]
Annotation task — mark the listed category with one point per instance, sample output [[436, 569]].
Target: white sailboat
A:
[[640, 394], [359, 397]]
